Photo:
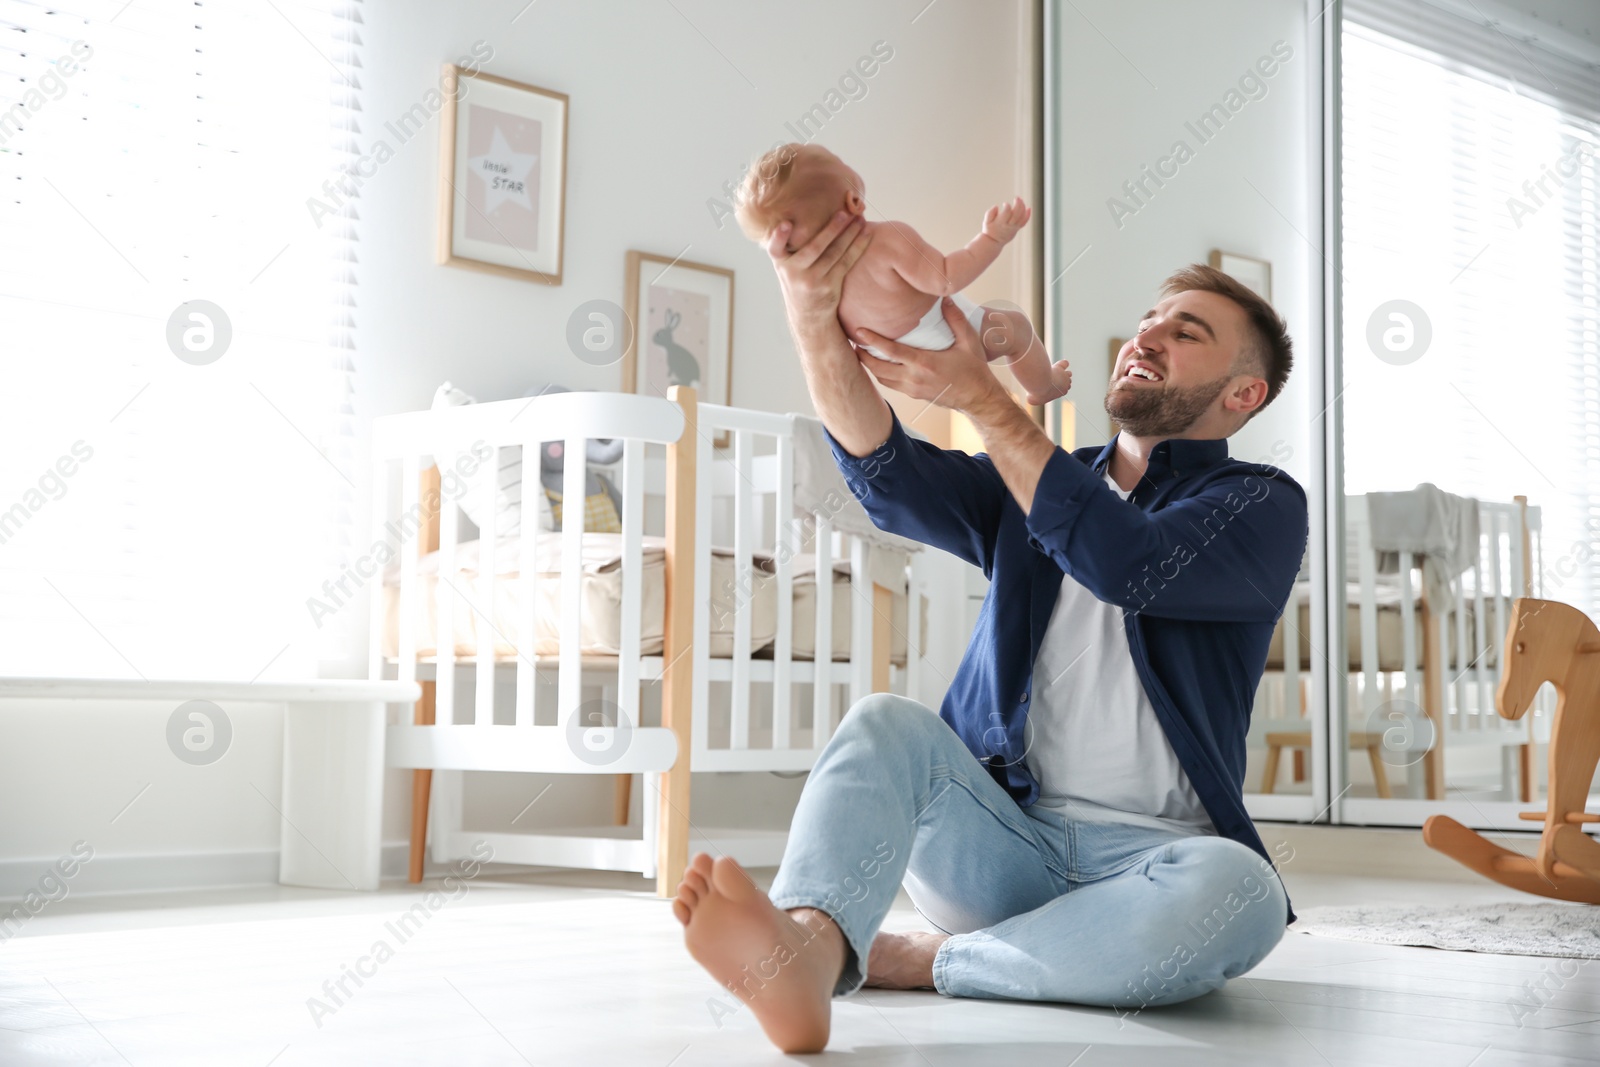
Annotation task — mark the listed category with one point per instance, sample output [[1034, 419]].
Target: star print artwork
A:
[[502, 191]]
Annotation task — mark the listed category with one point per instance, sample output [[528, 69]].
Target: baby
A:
[[895, 286]]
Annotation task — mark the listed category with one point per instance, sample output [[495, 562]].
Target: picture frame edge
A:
[[630, 298], [444, 253], [1214, 260], [633, 260]]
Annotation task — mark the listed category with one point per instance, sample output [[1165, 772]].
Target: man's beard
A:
[[1166, 412]]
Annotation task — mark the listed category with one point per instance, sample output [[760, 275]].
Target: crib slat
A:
[[1291, 657], [1480, 621], [408, 614], [744, 591], [632, 582], [1544, 704], [375, 621], [1441, 645], [861, 649], [483, 622], [1461, 685], [1366, 569], [526, 633], [1408, 628], [1501, 585], [444, 597], [783, 643], [913, 668], [822, 687], [575, 474]]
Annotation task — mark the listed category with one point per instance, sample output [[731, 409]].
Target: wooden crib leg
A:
[[1380, 776], [421, 786], [622, 799], [1433, 703], [677, 689], [1269, 775]]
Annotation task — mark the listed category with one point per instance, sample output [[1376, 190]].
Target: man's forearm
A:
[[847, 401], [1016, 446]]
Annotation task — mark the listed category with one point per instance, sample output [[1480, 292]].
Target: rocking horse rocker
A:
[[1554, 642]]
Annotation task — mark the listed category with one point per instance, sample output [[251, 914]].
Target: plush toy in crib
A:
[[602, 504]]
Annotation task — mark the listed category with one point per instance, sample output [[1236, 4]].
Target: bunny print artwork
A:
[[682, 367], [680, 337]]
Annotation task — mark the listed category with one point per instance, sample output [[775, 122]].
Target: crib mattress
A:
[[1391, 631], [503, 622]]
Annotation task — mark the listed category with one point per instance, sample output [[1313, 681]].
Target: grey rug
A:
[[1544, 929]]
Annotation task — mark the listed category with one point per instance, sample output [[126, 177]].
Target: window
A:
[[161, 515], [1471, 190]]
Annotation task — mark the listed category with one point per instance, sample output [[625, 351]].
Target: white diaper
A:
[[933, 333]]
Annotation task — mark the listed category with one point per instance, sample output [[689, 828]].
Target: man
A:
[[1074, 821]]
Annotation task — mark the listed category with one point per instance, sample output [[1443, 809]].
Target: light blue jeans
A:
[[1040, 907]]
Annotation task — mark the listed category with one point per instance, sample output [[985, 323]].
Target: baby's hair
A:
[[761, 197]]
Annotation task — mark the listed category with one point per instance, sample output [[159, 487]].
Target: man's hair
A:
[[1267, 347], [763, 193]]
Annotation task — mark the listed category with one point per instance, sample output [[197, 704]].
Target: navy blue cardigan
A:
[[1202, 557]]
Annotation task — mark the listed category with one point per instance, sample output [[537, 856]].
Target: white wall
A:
[[1132, 77], [668, 102], [665, 109]]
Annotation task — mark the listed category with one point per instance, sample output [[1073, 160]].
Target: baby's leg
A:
[[1008, 337]]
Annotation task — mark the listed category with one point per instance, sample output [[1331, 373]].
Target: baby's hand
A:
[[1060, 385], [1002, 221]]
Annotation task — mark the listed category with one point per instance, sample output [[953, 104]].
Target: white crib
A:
[[1405, 654], [727, 574]]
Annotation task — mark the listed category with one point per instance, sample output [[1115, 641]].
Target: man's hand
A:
[[813, 276], [1002, 221], [957, 377]]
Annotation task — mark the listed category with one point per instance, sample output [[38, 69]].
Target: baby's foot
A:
[[1060, 385], [783, 970]]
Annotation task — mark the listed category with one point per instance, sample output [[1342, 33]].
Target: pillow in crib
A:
[[508, 479]]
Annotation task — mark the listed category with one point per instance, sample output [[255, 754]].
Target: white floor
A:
[[567, 968]]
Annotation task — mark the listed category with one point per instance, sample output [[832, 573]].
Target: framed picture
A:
[[502, 176], [1256, 273], [683, 327]]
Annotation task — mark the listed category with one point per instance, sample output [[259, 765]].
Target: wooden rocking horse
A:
[[1547, 641]]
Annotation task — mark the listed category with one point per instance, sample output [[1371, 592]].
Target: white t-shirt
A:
[[1095, 745]]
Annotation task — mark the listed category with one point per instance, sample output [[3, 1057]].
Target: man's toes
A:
[[696, 881], [682, 911], [729, 879]]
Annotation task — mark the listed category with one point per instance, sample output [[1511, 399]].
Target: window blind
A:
[[167, 504], [1471, 188]]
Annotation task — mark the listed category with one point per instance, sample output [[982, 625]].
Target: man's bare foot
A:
[[784, 970], [903, 961]]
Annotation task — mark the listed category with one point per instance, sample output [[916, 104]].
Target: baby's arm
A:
[[928, 270], [1008, 338]]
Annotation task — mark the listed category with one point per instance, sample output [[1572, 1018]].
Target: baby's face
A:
[[823, 185]]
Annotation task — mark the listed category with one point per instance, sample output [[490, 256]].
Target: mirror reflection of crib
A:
[[1420, 677]]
